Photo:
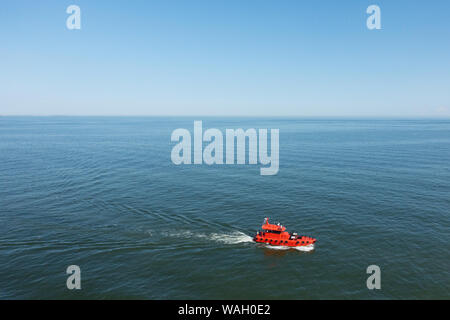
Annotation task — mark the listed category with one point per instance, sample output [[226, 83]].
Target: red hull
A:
[[276, 235]]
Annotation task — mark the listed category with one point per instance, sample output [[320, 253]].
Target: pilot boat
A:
[[276, 235]]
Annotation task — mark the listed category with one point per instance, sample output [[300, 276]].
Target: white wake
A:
[[231, 238], [307, 248]]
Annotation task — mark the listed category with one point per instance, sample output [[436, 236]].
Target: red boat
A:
[[276, 235]]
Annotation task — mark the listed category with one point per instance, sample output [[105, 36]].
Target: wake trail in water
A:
[[301, 248], [231, 238]]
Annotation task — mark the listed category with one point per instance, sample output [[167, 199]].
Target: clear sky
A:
[[241, 58]]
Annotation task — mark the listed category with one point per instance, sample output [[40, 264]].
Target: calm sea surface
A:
[[102, 193]]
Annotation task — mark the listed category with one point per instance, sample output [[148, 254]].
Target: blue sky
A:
[[233, 58]]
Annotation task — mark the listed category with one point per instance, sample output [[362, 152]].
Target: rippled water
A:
[[102, 193]]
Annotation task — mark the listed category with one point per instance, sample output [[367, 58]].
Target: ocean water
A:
[[103, 194]]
